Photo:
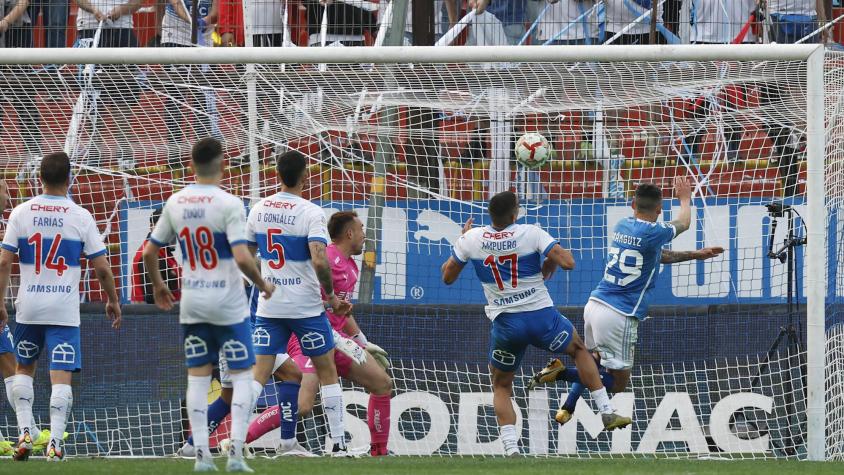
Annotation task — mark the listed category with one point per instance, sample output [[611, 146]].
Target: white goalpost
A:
[[419, 137]]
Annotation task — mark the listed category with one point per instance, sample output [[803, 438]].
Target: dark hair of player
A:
[[155, 216], [648, 198], [338, 222], [55, 169], [502, 208], [291, 166], [204, 156]]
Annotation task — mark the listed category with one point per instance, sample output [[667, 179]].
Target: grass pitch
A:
[[434, 466]]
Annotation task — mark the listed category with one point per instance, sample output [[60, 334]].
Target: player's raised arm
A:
[[683, 192], [672, 257], [451, 268], [102, 269]]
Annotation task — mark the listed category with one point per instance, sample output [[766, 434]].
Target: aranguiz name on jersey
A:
[[500, 241], [626, 239]]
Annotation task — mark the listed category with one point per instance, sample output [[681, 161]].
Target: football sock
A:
[[197, 405], [288, 402], [577, 390], [378, 419], [602, 399], [217, 411], [243, 399], [23, 394], [509, 439], [267, 421], [10, 382], [332, 402], [61, 400], [257, 389]]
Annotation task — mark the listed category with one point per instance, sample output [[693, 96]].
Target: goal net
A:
[[416, 140]]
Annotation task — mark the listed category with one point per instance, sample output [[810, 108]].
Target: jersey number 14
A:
[[52, 261]]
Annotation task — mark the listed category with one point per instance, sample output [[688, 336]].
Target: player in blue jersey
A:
[[210, 226], [621, 299], [508, 260]]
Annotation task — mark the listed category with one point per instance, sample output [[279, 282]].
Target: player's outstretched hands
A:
[[267, 289], [340, 307], [163, 297], [708, 252], [468, 226], [114, 314], [682, 188]]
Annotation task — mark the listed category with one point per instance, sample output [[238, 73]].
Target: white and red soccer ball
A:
[[532, 150]]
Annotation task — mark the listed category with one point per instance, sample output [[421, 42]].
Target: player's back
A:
[[632, 265], [508, 263], [206, 221], [282, 227], [50, 234]]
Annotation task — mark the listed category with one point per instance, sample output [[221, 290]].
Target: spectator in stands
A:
[[722, 21], [791, 20], [230, 23], [577, 17], [177, 26], [54, 20], [170, 271], [15, 24], [346, 23], [267, 22], [625, 16], [116, 17], [510, 14]]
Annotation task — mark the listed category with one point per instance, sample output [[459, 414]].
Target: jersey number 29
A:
[[623, 259]]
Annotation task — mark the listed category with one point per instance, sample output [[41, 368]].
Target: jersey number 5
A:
[[622, 258], [493, 264], [275, 247], [199, 246], [53, 261]]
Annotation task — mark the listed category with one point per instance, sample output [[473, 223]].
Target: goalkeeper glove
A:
[[378, 353], [349, 348]]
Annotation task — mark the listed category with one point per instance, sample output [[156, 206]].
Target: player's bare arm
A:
[[103, 271], [450, 270], [683, 192], [6, 259], [557, 257], [160, 293], [673, 257], [246, 263], [323, 272]]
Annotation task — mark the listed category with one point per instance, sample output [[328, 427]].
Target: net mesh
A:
[[416, 149]]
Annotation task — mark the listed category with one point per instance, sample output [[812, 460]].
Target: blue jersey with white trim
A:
[[508, 263], [282, 226], [632, 265], [206, 221], [50, 234]]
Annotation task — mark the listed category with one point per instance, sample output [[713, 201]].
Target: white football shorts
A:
[[610, 334]]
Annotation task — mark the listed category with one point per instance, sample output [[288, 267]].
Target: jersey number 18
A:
[[199, 246]]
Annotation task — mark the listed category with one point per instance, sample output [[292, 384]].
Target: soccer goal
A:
[[743, 356]]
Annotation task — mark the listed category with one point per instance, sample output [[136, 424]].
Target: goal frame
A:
[[813, 55]]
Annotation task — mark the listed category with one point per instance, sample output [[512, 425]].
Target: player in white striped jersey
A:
[[210, 226], [512, 260], [290, 235], [50, 233]]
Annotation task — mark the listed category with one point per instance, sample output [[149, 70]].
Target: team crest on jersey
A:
[[558, 341], [504, 357], [27, 349], [261, 337], [234, 350], [195, 347], [63, 353], [312, 341]]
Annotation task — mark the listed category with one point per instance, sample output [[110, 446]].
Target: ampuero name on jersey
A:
[[627, 239], [509, 300]]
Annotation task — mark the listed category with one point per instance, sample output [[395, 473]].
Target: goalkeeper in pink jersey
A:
[[347, 237]]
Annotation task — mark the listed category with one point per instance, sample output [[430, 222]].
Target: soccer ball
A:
[[532, 150]]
